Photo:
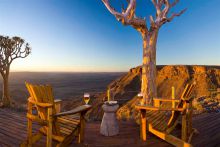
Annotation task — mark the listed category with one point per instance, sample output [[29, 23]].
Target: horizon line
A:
[[62, 71]]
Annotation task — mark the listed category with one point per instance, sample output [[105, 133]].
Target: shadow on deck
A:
[[13, 132]]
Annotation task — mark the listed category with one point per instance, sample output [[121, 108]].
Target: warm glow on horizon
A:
[[65, 69], [43, 68]]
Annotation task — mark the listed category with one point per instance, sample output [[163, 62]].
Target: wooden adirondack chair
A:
[[60, 127], [156, 120]]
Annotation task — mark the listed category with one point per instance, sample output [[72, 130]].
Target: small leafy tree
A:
[[10, 49]]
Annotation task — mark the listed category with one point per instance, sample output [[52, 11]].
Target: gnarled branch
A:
[[175, 14], [10, 49], [162, 11], [127, 16]]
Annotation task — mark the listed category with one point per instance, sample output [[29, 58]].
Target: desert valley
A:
[[109, 73]]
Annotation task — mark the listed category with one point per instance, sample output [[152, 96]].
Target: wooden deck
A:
[[13, 132]]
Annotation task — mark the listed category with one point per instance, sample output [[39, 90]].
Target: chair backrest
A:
[[185, 97], [43, 94]]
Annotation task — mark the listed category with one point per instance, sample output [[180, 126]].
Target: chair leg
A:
[[68, 140], [194, 131], [59, 144], [82, 128], [29, 128], [49, 128], [143, 125], [187, 130], [33, 139], [29, 141], [184, 128]]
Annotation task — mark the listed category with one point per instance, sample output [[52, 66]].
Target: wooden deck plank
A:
[[13, 132], [208, 136], [5, 140], [128, 136]]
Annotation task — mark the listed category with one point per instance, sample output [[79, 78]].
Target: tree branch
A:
[[174, 3], [112, 10], [157, 5], [175, 14], [10, 49], [127, 17], [162, 10]]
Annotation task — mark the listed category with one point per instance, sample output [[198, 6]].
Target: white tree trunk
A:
[[149, 35], [148, 85]]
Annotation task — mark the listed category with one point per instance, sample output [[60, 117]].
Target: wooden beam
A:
[[79, 109], [173, 102], [156, 103], [173, 97], [82, 127], [147, 107], [40, 104], [29, 128], [49, 127], [184, 127], [189, 119], [57, 104], [167, 100], [169, 138]]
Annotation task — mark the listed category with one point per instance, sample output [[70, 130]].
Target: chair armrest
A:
[[166, 100], [152, 108], [44, 105], [79, 109], [57, 104]]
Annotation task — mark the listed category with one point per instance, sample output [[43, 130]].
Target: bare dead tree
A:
[[10, 49], [149, 37]]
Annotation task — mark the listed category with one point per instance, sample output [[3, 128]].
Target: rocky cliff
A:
[[127, 87]]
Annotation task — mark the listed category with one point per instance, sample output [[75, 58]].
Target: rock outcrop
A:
[[206, 77]]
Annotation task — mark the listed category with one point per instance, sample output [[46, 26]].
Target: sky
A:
[[82, 36]]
